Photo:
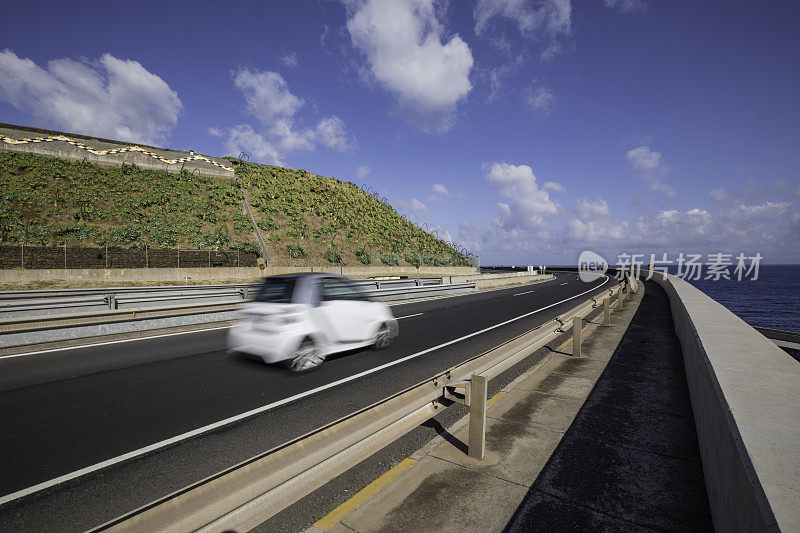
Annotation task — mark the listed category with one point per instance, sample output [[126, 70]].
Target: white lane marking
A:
[[521, 293], [114, 342], [565, 282], [241, 416], [409, 316]]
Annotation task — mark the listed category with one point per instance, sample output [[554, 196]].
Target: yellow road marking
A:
[[494, 398], [335, 516], [538, 366]]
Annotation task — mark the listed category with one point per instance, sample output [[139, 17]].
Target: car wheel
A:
[[306, 357], [383, 339]]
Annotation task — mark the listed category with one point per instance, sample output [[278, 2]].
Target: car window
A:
[[341, 289], [276, 290]]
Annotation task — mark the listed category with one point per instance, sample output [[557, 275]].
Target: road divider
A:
[[30, 330]]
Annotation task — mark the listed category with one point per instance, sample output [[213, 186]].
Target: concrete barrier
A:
[[495, 281], [745, 394]]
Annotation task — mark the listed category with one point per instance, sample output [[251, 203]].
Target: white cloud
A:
[[591, 224], [528, 205], [331, 133], [243, 138], [649, 163], [109, 97], [269, 100], [215, 132], [626, 6], [290, 60], [267, 95], [542, 20], [540, 99], [413, 205], [362, 172], [645, 159], [408, 55], [553, 186], [438, 188]]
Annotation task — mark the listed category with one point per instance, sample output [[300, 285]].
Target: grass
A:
[[52, 201]]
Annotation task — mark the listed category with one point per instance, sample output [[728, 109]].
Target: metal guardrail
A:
[[21, 330], [46, 302], [251, 492]]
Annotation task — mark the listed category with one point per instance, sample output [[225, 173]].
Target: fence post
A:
[[22, 255], [620, 299], [477, 416], [146, 257], [607, 311], [65, 257], [106, 256], [577, 323], [209, 258], [179, 256]]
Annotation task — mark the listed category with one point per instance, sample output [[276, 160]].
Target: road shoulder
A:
[[443, 489]]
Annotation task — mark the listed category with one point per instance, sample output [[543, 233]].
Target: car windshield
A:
[[276, 290]]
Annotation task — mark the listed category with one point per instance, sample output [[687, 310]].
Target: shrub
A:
[[275, 237], [242, 223], [247, 246], [332, 255], [268, 224], [390, 259], [295, 250], [125, 234], [364, 257], [413, 258]]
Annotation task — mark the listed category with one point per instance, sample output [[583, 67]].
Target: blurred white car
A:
[[303, 318]]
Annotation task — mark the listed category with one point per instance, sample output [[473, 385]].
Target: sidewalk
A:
[[440, 488]]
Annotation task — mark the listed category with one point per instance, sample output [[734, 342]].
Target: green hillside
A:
[[303, 218]]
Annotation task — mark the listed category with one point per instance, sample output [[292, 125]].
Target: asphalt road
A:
[[68, 410]]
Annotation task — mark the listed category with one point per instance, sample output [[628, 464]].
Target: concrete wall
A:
[[212, 273], [494, 281], [745, 394], [79, 147]]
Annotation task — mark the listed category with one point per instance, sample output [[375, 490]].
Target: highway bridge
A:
[[84, 426], [154, 431]]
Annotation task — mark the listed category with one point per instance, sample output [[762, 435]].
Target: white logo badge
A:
[[591, 266]]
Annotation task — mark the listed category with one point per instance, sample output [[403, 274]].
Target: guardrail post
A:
[[477, 416], [607, 311], [620, 299], [112, 304], [577, 323]]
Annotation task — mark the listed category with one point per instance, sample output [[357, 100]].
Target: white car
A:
[[303, 318]]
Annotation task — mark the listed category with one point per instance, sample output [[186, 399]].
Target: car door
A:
[[344, 311]]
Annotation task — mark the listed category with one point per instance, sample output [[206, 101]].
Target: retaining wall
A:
[[108, 152], [212, 273], [745, 394]]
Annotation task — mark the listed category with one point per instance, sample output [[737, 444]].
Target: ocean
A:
[[771, 301]]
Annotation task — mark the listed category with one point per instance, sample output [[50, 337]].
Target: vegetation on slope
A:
[[303, 218], [46, 201]]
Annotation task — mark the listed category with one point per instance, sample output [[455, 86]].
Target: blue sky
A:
[[527, 131]]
